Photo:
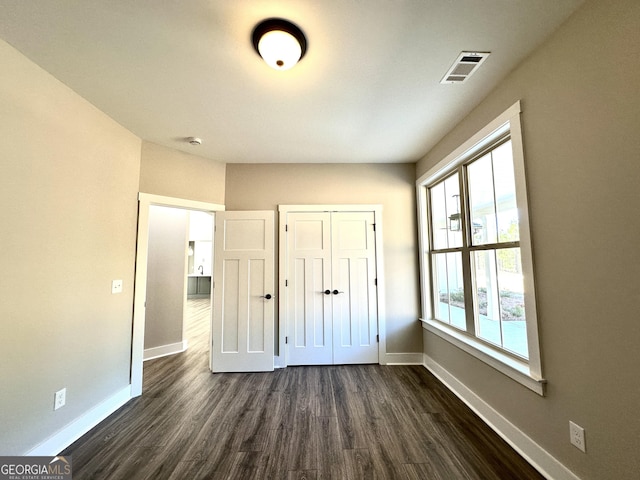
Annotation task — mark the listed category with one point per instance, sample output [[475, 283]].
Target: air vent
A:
[[464, 66]]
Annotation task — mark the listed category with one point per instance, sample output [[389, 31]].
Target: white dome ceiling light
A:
[[279, 42]]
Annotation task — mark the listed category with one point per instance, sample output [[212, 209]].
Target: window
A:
[[476, 265]]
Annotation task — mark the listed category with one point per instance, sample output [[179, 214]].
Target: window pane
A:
[[481, 201], [499, 297], [440, 287], [456, 290], [438, 216], [487, 301], [514, 325], [452, 192], [446, 224], [505, 188], [448, 289]]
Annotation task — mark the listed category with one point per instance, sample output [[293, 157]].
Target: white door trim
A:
[[145, 200], [280, 359]]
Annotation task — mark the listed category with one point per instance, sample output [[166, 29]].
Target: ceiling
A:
[[367, 90]]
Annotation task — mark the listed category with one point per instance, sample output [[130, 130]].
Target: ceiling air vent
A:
[[464, 66]]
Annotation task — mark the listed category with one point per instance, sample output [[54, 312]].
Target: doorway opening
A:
[[179, 267], [162, 298]]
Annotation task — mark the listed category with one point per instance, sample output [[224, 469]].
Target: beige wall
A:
[[264, 187], [166, 276], [581, 121], [172, 173], [69, 197]]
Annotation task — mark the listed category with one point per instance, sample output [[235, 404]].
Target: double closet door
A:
[[331, 294]]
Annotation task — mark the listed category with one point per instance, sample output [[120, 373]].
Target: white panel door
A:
[[243, 306], [331, 308], [308, 306], [353, 266]]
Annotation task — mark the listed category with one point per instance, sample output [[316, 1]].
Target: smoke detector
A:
[[194, 141], [466, 64]]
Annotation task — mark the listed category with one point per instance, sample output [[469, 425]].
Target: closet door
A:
[[309, 322], [353, 266], [331, 306]]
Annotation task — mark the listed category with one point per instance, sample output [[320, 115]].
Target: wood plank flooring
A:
[[336, 422]]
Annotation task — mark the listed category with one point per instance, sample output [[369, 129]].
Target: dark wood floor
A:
[[336, 422]]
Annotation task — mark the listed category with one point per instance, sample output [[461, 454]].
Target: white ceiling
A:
[[368, 89]]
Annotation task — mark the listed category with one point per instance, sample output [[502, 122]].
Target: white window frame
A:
[[527, 372]]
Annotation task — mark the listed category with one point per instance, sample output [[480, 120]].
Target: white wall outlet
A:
[[59, 399], [576, 435], [116, 286]]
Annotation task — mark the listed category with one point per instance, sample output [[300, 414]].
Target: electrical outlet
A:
[[59, 399], [116, 286], [576, 435]]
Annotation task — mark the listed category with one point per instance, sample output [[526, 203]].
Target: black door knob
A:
[[335, 292], [327, 292], [268, 296]]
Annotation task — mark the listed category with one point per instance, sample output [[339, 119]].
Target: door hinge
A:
[[374, 226], [375, 282], [286, 283], [378, 338], [286, 227], [286, 339]]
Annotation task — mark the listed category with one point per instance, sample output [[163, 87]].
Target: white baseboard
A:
[[69, 434], [533, 453], [404, 359], [164, 350], [389, 359]]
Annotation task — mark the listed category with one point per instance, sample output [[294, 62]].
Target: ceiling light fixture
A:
[[279, 42]]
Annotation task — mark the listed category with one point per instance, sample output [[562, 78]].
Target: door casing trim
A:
[[145, 200]]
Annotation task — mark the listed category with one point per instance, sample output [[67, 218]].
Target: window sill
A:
[[514, 369]]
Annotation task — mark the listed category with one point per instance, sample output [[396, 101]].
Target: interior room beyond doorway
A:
[[179, 266]]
